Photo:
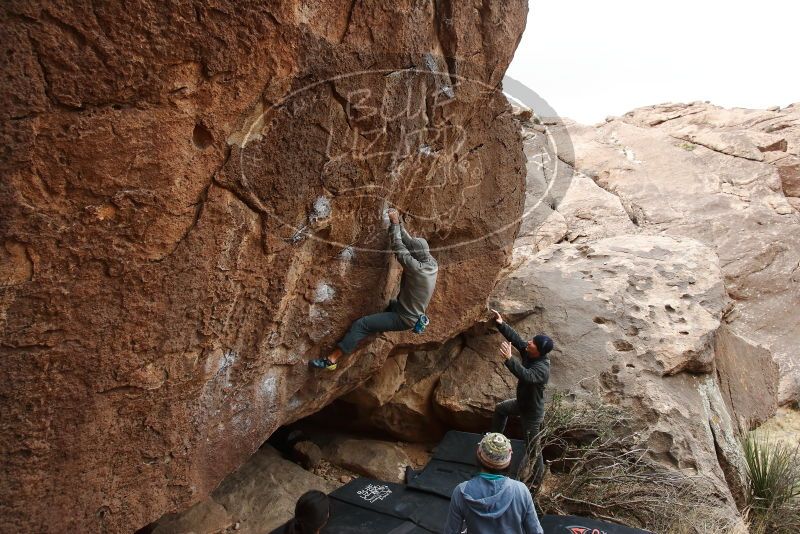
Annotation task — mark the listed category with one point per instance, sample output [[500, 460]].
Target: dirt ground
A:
[[785, 426]]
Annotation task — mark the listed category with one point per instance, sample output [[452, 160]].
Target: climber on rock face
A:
[[408, 310], [532, 372]]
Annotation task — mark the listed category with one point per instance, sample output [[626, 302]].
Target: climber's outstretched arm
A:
[[400, 242], [407, 239], [401, 251]]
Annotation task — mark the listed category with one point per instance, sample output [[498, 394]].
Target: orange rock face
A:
[[192, 199]]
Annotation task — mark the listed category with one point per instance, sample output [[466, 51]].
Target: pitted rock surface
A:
[[728, 178]]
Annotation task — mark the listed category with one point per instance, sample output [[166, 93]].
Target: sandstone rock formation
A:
[[727, 178], [399, 398], [307, 453], [205, 517], [259, 497], [376, 459], [189, 203]]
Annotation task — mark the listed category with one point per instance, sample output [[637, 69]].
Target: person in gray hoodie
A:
[[490, 502], [420, 270]]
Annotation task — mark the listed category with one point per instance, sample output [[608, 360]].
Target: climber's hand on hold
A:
[[394, 216], [505, 350], [497, 317]]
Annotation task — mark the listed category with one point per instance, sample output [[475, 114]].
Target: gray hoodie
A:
[[419, 273], [492, 507]]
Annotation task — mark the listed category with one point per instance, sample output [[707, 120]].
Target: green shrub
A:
[[773, 484]]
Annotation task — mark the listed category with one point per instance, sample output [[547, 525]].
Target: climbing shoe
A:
[[323, 363]]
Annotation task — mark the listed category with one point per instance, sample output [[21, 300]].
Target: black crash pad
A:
[[349, 519], [570, 524], [461, 447], [395, 501], [440, 478], [454, 461]]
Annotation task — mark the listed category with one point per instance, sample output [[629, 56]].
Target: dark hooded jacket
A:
[[419, 273], [532, 374]]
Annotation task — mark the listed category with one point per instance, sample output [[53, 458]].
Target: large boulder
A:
[[399, 398], [550, 160], [471, 386], [376, 459], [205, 517], [192, 199], [726, 177], [256, 498], [748, 379], [652, 298]]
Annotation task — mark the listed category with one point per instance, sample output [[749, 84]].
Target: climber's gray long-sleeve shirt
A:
[[419, 273]]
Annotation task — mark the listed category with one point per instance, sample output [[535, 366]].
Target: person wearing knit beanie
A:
[[532, 371], [543, 343], [494, 451], [490, 502]]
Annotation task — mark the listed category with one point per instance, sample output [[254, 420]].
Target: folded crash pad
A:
[[454, 462], [570, 524]]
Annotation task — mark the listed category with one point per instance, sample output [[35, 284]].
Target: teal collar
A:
[[490, 476]]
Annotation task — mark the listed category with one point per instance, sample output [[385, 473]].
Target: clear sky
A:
[[593, 58]]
